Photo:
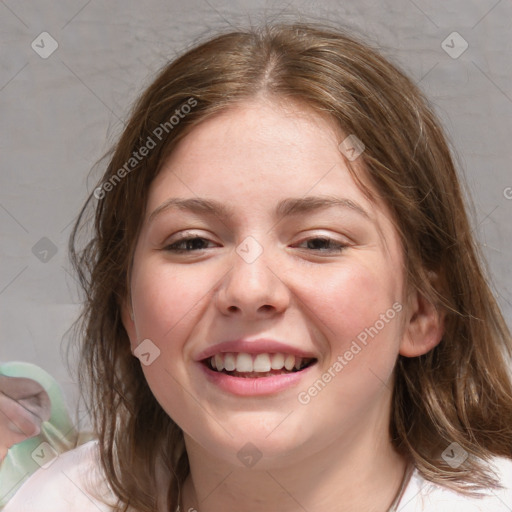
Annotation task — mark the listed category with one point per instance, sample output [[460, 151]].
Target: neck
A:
[[353, 473]]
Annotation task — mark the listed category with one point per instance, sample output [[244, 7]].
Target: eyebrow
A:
[[285, 208]]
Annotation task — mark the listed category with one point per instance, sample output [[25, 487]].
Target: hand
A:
[[24, 405]]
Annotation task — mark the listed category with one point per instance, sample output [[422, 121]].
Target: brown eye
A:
[[323, 244], [189, 244]]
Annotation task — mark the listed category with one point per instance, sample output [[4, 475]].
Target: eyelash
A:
[[174, 247]]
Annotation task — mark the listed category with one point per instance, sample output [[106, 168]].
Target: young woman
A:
[[285, 308]]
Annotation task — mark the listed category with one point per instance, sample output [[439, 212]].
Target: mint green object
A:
[[57, 435]]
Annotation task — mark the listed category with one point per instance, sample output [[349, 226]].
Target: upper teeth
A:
[[243, 362]]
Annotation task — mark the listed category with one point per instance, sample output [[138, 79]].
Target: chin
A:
[[258, 443]]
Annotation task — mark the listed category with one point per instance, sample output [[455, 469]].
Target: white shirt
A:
[[74, 482]]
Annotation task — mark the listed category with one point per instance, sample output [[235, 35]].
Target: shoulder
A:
[[424, 496], [71, 481]]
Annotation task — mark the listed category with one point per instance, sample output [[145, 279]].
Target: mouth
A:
[[257, 366]]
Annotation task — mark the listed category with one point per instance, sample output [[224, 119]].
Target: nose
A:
[[252, 289]]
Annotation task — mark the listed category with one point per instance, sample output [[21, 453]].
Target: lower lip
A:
[[246, 386]]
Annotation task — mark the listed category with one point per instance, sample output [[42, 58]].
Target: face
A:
[[258, 251]]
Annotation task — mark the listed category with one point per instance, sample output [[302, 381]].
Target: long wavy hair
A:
[[459, 392]]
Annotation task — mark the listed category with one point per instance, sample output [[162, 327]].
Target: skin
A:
[[24, 405], [333, 453]]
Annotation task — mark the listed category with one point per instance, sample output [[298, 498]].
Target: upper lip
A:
[[257, 346]]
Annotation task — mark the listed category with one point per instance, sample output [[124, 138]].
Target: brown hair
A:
[[458, 392]]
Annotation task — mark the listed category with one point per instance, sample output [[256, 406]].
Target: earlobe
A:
[[424, 327]]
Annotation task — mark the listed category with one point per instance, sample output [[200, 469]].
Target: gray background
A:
[[60, 114]]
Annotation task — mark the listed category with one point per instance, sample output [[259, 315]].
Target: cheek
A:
[[358, 312], [164, 302], [352, 300]]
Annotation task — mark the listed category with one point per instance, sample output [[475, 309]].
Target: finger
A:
[[17, 419], [29, 394]]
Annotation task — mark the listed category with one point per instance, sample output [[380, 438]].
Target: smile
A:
[[256, 365], [244, 374]]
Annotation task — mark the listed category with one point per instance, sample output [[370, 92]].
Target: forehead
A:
[[261, 149]]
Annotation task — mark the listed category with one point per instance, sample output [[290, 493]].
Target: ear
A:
[[128, 320], [424, 327]]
